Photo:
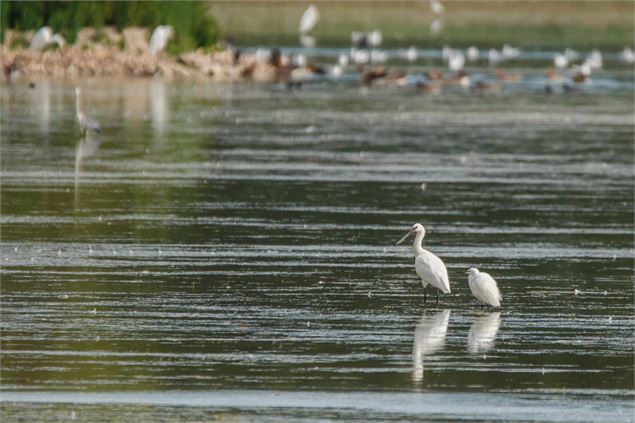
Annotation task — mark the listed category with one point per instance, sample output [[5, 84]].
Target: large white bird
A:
[[429, 267], [86, 123], [484, 287], [627, 55], [309, 19], [43, 37], [160, 37]]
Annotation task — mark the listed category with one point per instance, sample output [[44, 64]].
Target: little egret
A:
[[160, 37], [560, 61], [86, 123], [437, 7], [43, 37], [309, 19], [472, 54], [429, 267], [484, 287]]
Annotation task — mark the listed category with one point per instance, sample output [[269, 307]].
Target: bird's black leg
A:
[[424, 295], [437, 297], [481, 306]]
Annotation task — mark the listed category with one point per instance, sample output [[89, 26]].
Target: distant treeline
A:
[[192, 21]]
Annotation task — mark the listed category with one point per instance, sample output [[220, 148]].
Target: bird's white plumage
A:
[[309, 19], [429, 267], [432, 271], [160, 37], [484, 287]]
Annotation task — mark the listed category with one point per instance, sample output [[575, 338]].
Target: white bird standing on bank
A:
[[429, 267], [472, 54], [309, 19], [627, 55], [160, 37], [560, 61], [86, 123], [484, 287], [437, 7], [43, 37]]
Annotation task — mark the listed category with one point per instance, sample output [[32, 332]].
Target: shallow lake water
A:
[[229, 252]]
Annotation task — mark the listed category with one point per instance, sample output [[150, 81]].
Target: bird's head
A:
[[417, 228], [472, 271]]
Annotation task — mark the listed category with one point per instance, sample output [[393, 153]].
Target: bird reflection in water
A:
[[482, 334], [429, 338], [86, 147]]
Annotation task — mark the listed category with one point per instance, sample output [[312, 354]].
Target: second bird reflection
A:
[[482, 334], [429, 338]]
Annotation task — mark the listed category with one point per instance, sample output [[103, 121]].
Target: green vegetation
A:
[[607, 25], [192, 20]]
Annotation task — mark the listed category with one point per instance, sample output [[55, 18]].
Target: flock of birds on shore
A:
[[562, 75]]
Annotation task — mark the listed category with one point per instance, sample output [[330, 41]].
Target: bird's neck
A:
[[416, 246]]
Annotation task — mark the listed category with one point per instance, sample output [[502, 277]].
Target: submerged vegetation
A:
[[194, 25]]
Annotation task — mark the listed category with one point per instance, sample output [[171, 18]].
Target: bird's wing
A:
[[488, 289], [431, 270]]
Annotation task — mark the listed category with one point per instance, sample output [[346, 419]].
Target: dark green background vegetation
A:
[[193, 24]]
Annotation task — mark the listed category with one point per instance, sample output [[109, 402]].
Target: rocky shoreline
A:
[[109, 53]]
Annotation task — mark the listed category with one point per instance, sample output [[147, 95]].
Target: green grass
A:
[[193, 23], [580, 24]]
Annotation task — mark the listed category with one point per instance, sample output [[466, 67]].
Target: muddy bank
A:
[[109, 53]]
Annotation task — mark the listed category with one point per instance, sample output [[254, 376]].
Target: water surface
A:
[[228, 251]]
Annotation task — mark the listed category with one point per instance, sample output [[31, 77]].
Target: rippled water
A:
[[228, 252]]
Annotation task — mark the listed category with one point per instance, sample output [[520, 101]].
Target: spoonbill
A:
[[309, 19], [484, 287], [86, 123], [429, 267]]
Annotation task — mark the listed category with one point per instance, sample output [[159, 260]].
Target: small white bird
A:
[[493, 56], [437, 7], [411, 54], [484, 287], [374, 38], [159, 39], [509, 52], [429, 267], [627, 55], [43, 37], [456, 61], [560, 61], [309, 19], [342, 60], [472, 54], [594, 60], [86, 123]]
